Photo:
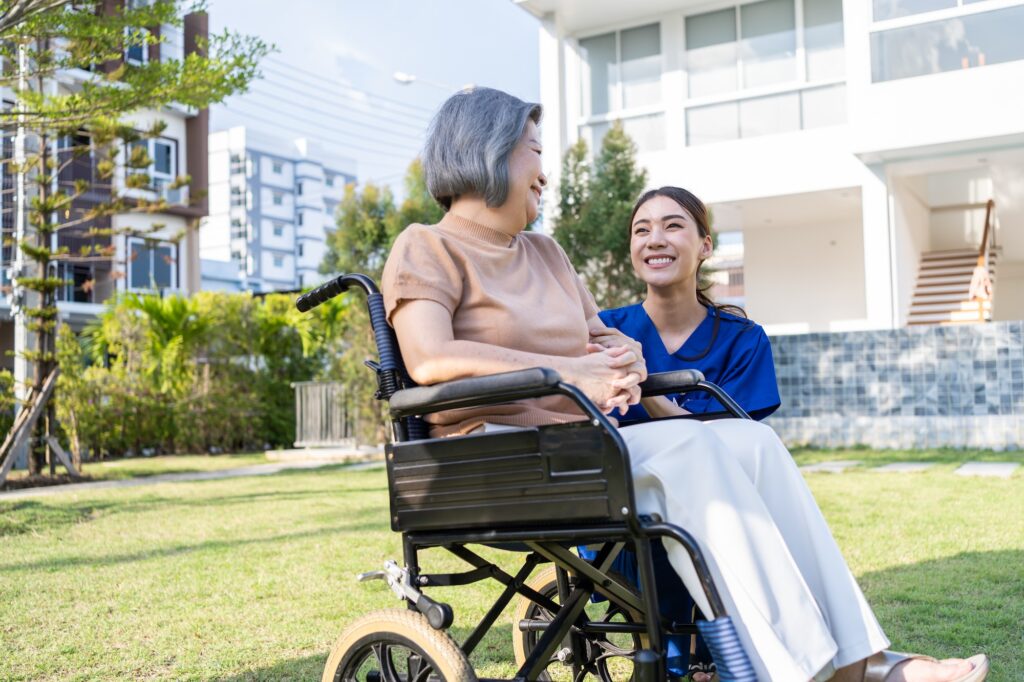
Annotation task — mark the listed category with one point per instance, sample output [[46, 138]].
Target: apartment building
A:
[[152, 252], [272, 205], [849, 149]]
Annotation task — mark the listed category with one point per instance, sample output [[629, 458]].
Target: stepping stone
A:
[[997, 469], [904, 467], [836, 467]]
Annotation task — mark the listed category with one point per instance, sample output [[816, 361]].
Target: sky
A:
[[331, 77]]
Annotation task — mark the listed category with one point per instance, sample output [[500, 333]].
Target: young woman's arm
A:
[[609, 377]]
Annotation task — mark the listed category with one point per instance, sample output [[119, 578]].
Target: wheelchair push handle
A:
[[335, 287]]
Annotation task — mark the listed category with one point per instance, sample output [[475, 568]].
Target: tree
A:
[[80, 122], [593, 221], [363, 236]]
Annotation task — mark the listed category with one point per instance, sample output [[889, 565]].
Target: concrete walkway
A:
[[254, 470], [989, 469]]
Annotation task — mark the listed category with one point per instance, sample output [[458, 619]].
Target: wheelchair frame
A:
[[561, 485]]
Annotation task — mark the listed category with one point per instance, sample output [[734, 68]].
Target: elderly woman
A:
[[477, 294]]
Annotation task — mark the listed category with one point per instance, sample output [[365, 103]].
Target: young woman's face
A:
[[665, 245], [526, 179]]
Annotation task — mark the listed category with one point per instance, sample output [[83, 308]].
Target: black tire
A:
[[611, 656], [394, 645]]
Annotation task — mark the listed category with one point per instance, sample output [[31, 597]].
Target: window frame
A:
[[798, 86], [151, 247], [617, 111]]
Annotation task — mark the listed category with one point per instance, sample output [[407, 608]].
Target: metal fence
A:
[[323, 415]]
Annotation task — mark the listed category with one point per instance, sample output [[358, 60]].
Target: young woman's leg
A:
[[684, 471], [780, 485]]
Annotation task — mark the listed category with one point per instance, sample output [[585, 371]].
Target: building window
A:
[[969, 40], [151, 265], [624, 69], [237, 229], [136, 47], [277, 198], [277, 167], [278, 261], [299, 219], [300, 250], [733, 53], [893, 9], [278, 229], [237, 196], [298, 188], [163, 161], [329, 179]]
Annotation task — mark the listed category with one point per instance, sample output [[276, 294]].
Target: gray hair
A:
[[469, 144]]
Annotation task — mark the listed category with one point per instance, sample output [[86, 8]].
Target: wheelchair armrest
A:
[[670, 382], [687, 381], [475, 391]]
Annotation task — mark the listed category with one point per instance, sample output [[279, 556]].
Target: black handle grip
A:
[[332, 288]]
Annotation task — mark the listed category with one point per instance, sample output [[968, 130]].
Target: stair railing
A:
[[981, 282]]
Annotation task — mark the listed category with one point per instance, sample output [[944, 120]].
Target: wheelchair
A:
[[539, 492]]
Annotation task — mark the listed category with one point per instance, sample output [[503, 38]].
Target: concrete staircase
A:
[[942, 295]]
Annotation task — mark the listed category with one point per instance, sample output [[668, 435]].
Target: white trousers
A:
[[733, 485]]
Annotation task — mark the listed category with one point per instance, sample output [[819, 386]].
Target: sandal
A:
[[880, 666]]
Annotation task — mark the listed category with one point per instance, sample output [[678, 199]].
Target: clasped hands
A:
[[618, 366]]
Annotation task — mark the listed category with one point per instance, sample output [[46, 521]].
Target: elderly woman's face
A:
[[526, 178]]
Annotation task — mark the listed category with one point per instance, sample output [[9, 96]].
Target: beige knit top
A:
[[516, 292]]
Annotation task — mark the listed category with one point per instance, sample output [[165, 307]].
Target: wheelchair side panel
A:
[[547, 476]]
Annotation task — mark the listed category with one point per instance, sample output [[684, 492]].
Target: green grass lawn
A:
[[134, 467], [947, 459], [253, 578]]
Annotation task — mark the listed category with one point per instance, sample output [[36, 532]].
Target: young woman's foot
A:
[[920, 670]]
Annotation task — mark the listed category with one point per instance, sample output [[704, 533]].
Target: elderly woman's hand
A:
[[609, 337], [607, 376]]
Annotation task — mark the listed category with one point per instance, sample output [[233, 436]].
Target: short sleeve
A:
[[420, 267], [750, 378]]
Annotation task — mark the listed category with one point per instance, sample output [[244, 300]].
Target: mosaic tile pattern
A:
[[933, 371]]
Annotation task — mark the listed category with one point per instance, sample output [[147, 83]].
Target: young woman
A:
[[476, 295]]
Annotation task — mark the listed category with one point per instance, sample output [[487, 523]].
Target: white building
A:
[[853, 143], [272, 204]]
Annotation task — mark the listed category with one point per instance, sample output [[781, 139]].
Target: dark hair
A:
[[696, 208], [469, 144]]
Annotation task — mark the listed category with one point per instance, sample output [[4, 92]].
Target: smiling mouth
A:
[[536, 190], [657, 261]]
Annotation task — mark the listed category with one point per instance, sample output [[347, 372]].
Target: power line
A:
[[335, 114], [277, 125], [426, 110], [328, 129]]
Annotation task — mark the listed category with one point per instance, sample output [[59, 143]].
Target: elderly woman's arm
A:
[[432, 355]]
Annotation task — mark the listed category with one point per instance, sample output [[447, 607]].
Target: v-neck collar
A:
[[702, 338]]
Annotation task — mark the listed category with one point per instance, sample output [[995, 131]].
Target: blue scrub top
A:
[[731, 351]]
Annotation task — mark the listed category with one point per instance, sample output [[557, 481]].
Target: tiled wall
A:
[[929, 386]]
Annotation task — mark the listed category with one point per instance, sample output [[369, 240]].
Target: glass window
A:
[[300, 220], [277, 166], [163, 157], [163, 261], [959, 43], [278, 261], [648, 132], [599, 54], [139, 270], [890, 9], [768, 42], [823, 39], [713, 123], [298, 189], [277, 198], [300, 250], [329, 180], [820, 107], [278, 230], [641, 66], [711, 52], [770, 115]]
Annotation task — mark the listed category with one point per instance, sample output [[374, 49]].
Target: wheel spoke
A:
[[382, 651]]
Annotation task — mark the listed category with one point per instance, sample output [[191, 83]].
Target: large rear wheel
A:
[[396, 646]]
